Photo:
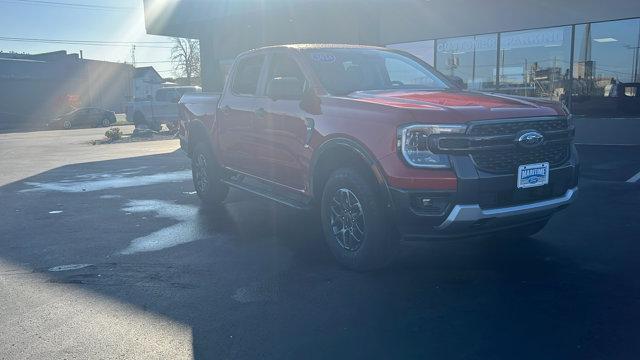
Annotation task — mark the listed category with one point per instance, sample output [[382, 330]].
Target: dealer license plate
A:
[[532, 175]]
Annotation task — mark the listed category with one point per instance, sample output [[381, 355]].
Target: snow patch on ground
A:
[[187, 230], [97, 182]]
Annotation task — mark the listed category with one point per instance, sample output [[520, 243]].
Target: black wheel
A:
[[106, 122], [354, 222], [66, 124], [206, 176]]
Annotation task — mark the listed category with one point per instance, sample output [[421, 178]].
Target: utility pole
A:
[[132, 85]]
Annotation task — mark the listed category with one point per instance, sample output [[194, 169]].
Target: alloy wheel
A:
[[347, 219]]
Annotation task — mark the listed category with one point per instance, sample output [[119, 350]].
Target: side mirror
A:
[[285, 88], [311, 102]]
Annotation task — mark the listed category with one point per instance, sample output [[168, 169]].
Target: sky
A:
[[84, 20]]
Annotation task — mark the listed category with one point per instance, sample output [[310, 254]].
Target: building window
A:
[[536, 62], [470, 58], [421, 49], [606, 68]]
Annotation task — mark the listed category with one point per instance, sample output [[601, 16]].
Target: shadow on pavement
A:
[[254, 280]]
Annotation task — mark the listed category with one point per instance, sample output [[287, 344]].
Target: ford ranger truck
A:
[[381, 145]]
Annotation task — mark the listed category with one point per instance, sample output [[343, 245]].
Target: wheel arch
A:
[[196, 131], [342, 152]]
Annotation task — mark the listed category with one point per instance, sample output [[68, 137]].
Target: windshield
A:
[[343, 71]]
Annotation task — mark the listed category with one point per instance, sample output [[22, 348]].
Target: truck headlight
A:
[[414, 146]]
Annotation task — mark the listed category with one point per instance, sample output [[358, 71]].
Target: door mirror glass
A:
[[285, 88]]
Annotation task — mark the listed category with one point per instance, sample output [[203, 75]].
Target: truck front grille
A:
[[506, 161], [513, 127]]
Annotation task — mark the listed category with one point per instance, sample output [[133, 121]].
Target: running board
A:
[[267, 192]]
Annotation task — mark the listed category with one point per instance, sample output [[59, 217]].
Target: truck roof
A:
[[317, 46], [180, 87]]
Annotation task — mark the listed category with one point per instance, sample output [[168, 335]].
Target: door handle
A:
[[310, 124], [260, 113]]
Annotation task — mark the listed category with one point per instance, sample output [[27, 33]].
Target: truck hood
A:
[[459, 106]]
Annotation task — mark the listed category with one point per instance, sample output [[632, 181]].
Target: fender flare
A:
[[362, 152]]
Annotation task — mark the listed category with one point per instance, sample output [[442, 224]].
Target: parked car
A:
[[160, 109], [382, 145], [84, 117]]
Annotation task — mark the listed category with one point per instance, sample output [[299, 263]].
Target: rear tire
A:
[[355, 226], [206, 176], [66, 124], [106, 122]]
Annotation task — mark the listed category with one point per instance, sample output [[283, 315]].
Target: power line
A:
[[154, 62], [144, 44], [86, 41], [66, 4]]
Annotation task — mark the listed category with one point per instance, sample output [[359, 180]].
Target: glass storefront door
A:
[[536, 62], [605, 70]]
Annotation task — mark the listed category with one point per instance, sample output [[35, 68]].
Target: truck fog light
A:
[[431, 204]]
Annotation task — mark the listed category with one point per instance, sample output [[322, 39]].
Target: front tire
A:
[[206, 176], [354, 222], [106, 122], [66, 124]]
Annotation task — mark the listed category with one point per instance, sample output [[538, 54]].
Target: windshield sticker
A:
[[323, 57]]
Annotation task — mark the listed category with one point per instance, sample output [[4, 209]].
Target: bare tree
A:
[[185, 58]]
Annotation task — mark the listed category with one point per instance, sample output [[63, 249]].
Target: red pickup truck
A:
[[381, 145]]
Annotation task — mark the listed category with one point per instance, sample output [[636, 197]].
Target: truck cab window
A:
[[402, 73], [282, 66], [247, 75]]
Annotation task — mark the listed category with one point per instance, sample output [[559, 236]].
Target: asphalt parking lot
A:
[[106, 253]]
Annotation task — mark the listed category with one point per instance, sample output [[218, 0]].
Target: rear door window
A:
[[247, 75]]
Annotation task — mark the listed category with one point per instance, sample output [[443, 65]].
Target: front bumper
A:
[[465, 216], [482, 202]]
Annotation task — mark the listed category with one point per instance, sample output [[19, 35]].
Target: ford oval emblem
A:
[[530, 139]]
